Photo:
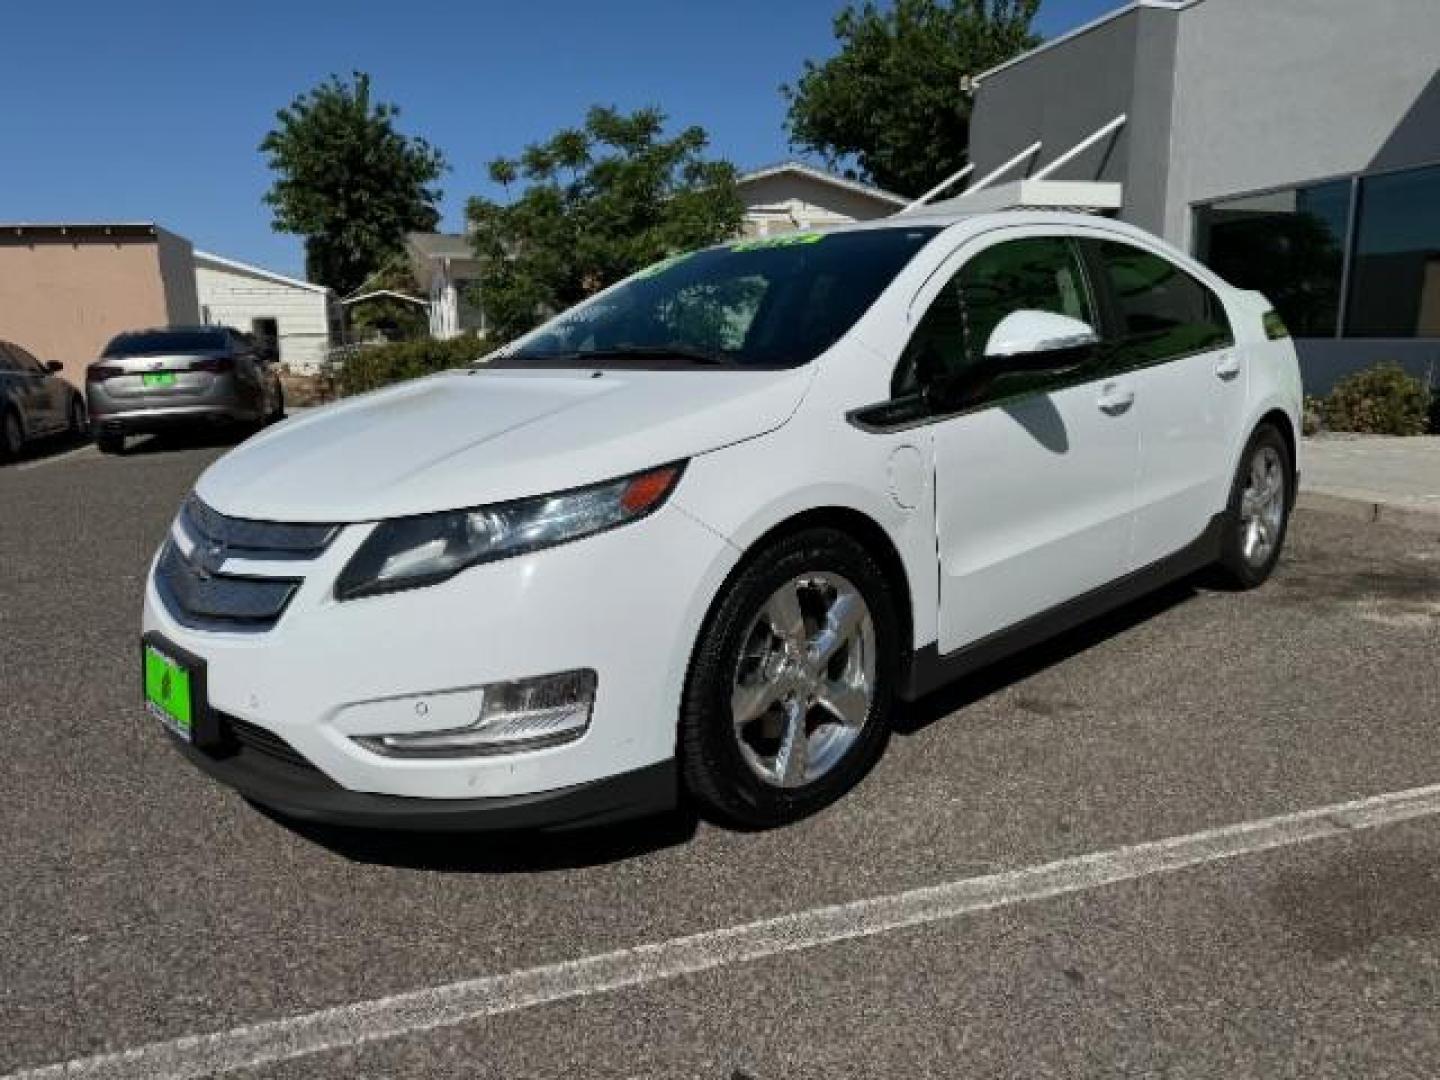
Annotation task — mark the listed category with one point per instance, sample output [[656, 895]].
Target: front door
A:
[[1034, 475], [27, 390]]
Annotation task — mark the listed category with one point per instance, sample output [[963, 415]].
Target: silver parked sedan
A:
[[34, 400], [179, 376]]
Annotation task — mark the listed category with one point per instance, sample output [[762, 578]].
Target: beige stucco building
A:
[[65, 290]]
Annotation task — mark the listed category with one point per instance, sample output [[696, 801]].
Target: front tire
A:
[[78, 424], [787, 704], [1261, 498]]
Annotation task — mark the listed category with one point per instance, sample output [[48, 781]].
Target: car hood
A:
[[466, 438]]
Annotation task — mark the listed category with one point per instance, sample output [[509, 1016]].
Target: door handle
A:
[[1227, 367], [1115, 400]]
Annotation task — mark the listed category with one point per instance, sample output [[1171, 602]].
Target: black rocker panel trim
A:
[[929, 670]]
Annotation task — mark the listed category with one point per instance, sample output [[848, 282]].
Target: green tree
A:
[[348, 181], [599, 202], [890, 101]]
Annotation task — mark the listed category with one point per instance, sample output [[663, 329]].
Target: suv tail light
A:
[[213, 364], [101, 372]]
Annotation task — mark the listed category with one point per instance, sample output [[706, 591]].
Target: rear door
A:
[[1034, 478], [1171, 338]]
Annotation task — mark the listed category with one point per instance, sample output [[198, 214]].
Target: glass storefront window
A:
[[1395, 277], [1288, 244]]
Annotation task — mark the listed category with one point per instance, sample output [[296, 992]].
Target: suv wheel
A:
[[1260, 502], [787, 704]]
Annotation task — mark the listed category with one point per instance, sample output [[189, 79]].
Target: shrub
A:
[[1311, 419], [1435, 413], [1382, 400], [373, 366]]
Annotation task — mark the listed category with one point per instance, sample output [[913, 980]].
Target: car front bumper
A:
[[626, 604], [306, 794]]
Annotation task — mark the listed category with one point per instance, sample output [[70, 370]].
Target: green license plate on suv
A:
[[169, 692], [155, 379]]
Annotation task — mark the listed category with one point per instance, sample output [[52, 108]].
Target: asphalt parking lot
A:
[[143, 904]]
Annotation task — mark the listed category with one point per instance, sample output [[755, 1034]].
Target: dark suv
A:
[[155, 380], [34, 400]]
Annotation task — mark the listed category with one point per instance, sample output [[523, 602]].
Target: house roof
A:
[[256, 271], [1085, 28], [441, 245], [824, 177]]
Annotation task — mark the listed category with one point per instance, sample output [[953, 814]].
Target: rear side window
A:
[[164, 342], [1163, 312]]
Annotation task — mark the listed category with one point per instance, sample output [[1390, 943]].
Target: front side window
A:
[[1035, 274], [771, 302], [25, 361], [1163, 312]]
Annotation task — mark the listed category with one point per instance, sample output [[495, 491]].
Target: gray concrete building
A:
[[1293, 145]]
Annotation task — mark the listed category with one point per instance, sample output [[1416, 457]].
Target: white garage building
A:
[[302, 317]]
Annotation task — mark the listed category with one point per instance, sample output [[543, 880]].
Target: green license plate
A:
[[168, 691], [153, 379]]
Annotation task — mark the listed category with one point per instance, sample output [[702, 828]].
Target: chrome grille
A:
[[198, 580], [255, 539]]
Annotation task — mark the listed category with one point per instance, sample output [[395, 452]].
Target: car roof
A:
[[212, 328], [944, 218]]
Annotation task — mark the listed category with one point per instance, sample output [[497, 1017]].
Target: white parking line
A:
[[474, 999], [54, 459]]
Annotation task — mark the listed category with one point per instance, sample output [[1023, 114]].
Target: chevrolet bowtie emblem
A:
[[210, 557]]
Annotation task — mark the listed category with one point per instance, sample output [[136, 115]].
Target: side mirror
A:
[[53, 366], [1039, 341]]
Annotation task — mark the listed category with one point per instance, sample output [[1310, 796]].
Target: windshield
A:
[[775, 301], [160, 342]]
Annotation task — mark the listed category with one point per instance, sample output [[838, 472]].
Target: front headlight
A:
[[409, 552]]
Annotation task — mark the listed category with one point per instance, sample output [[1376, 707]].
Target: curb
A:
[[1415, 518]]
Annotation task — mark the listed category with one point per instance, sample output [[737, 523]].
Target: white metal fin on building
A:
[[1037, 192]]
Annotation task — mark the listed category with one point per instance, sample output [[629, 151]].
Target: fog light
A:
[[523, 715]]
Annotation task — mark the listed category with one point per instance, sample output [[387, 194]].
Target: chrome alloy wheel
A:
[[805, 681], [1262, 506]]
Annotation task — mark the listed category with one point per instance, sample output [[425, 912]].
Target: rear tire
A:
[[776, 724], [110, 442], [1261, 499]]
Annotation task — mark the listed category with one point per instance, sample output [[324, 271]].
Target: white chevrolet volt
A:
[[699, 536]]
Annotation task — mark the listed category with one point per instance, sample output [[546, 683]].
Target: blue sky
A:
[[153, 110]]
